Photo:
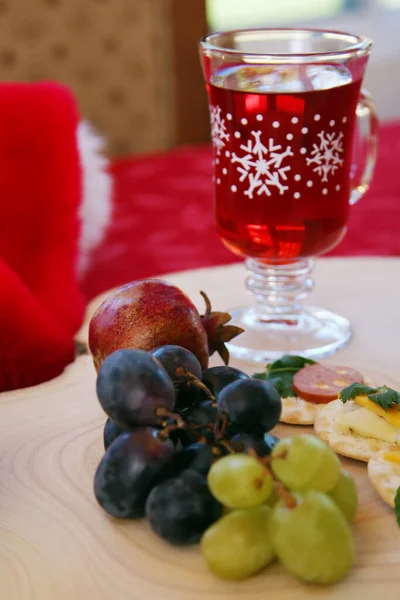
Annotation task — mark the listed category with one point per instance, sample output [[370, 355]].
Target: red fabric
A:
[[40, 190], [163, 216]]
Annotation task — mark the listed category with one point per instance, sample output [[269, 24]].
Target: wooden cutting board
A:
[[57, 544]]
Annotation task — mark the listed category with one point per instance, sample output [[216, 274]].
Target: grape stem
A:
[[280, 489], [226, 444], [286, 496], [216, 426], [194, 381], [281, 456], [163, 412], [164, 433], [179, 422], [221, 429]]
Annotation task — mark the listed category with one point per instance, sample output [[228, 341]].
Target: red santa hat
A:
[[54, 205]]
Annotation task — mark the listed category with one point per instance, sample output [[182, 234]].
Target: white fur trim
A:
[[96, 205]]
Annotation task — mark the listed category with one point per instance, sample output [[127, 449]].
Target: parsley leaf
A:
[[397, 506], [355, 389], [262, 376], [383, 396], [281, 372]]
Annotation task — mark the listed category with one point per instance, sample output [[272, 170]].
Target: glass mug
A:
[[284, 106]]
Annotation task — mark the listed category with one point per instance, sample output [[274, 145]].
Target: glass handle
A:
[[367, 145]]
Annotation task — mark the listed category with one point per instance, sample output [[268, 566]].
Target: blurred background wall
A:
[[378, 19], [134, 67], [133, 64]]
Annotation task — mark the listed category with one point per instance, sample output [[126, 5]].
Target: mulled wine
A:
[[282, 141], [284, 104]]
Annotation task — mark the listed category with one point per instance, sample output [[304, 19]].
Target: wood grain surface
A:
[[57, 544]]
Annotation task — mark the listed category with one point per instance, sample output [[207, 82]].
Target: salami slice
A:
[[321, 384]]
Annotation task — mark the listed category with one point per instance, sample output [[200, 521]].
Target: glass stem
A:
[[279, 289]]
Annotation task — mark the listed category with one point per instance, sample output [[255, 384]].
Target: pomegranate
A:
[[151, 313]]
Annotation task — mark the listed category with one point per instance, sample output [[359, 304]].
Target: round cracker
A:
[[347, 444], [297, 411], [385, 477]]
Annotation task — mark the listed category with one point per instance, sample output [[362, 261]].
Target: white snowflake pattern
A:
[[261, 166], [218, 129], [326, 155]]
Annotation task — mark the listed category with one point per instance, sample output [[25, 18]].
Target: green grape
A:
[[313, 540], [344, 494], [239, 481], [226, 510], [272, 498], [303, 462], [238, 545]]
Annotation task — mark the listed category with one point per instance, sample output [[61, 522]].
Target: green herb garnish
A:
[[281, 372], [383, 396], [355, 389], [397, 506]]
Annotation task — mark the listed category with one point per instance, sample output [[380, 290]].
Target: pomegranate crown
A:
[[218, 332]]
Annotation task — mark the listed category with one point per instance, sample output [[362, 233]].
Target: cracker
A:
[[385, 477], [297, 411], [347, 444]]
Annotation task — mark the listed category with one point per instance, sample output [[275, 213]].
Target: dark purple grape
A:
[[173, 358], [252, 405], [175, 436], [197, 456], [186, 437], [131, 467], [202, 419], [131, 385], [261, 444], [181, 509], [216, 378], [187, 395], [112, 431], [204, 414]]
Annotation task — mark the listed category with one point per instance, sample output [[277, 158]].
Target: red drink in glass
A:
[[284, 104], [282, 160]]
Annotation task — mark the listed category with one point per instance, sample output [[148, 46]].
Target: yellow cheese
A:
[[392, 456], [392, 414], [365, 423]]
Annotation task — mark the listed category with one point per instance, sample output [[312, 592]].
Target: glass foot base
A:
[[313, 333]]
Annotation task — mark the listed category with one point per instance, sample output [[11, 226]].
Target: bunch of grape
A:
[[190, 451], [297, 506], [169, 423]]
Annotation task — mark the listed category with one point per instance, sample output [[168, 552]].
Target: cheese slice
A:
[[365, 423], [392, 414], [392, 456]]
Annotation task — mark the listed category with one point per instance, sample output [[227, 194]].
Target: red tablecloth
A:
[[163, 216]]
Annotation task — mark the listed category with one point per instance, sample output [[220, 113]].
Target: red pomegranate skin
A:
[[145, 315]]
